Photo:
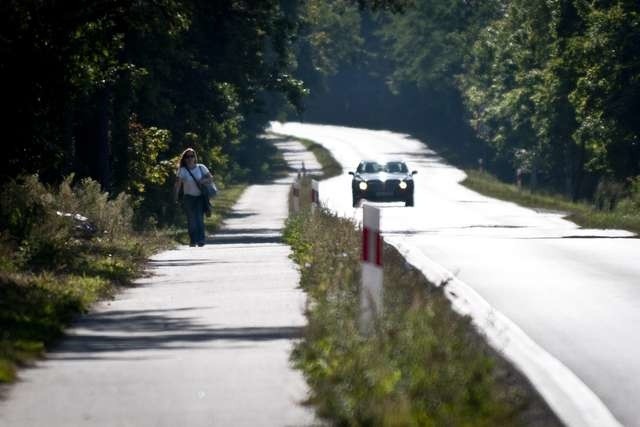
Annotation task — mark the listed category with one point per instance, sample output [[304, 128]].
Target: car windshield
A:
[[396, 167], [369, 167]]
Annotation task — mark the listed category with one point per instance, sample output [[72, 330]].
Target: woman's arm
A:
[[207, 178], [176, 188]]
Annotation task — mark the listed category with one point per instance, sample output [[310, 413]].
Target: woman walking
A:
[[189, 177]]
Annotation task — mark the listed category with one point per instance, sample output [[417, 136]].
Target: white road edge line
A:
[[571, 400]]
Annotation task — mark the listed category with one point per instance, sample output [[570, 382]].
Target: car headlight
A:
[[403, 185], [362, 185]]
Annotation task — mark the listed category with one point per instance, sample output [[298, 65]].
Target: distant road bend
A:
[[575, 292]]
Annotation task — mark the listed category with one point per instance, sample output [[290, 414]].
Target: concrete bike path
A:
[[204, 341]]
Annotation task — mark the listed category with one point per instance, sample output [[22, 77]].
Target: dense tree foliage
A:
[[552, 86], [115, 89], [549, 87]]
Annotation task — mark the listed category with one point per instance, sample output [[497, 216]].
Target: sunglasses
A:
[[189, 156]]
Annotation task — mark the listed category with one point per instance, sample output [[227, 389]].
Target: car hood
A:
[[383, 176]]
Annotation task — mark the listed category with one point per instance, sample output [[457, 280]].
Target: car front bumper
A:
[[383, 191]]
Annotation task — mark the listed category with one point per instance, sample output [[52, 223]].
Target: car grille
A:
[[391, 185], [379, 186], [375, 186]]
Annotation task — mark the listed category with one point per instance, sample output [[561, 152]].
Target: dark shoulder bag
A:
[[210, 188], [203, 194]]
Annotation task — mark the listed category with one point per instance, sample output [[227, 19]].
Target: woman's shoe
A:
[[200, 243]]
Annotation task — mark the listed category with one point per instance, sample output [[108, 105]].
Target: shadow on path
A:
[[136, 330], [182, 263], [246, 236]]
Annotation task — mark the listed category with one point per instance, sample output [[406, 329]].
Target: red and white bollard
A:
[[295, 196], [315, 195], [371, 290]]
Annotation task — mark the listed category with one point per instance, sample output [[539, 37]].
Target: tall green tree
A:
[[607, 93], [549, 85], [106, 88]]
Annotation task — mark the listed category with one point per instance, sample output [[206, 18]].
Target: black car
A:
[[388, 182]]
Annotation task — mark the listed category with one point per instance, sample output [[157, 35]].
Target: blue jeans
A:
[[194, 208]]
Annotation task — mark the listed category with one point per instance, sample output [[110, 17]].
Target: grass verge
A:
[[423, 365], [49, 275], [581, 213], [330, 167], [36, 305]]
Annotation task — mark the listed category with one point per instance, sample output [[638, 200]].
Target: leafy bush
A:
[[49, 271], [608, 193], [25, 203], [28, 217], [112, 217], [33, 220], [630, 205]]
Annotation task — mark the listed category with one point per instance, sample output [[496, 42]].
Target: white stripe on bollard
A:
[[371, 290]]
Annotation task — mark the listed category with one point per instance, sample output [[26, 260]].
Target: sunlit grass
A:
[[35, 307], [581, 213]]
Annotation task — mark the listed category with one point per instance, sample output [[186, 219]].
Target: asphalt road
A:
[[575, 292], [203, 341]]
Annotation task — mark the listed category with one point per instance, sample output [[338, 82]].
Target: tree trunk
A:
[[579, 172], [120, 131], [102, 139]]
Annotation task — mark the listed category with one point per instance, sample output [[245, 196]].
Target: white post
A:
[[315, 195], [519, 178], [371, 290], [295, 196]]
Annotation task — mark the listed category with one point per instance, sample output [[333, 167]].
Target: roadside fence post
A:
[[315, 195], [295, 196], [371, 290], [519, 178]]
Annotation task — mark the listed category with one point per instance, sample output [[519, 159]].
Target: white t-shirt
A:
[[190, 186]]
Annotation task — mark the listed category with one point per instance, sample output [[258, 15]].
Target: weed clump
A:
[[61, 249]]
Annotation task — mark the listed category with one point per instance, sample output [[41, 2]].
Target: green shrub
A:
[[112, 217], [630, 205], [608, 193], [34, 225], [25, 205], [31, 225]]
